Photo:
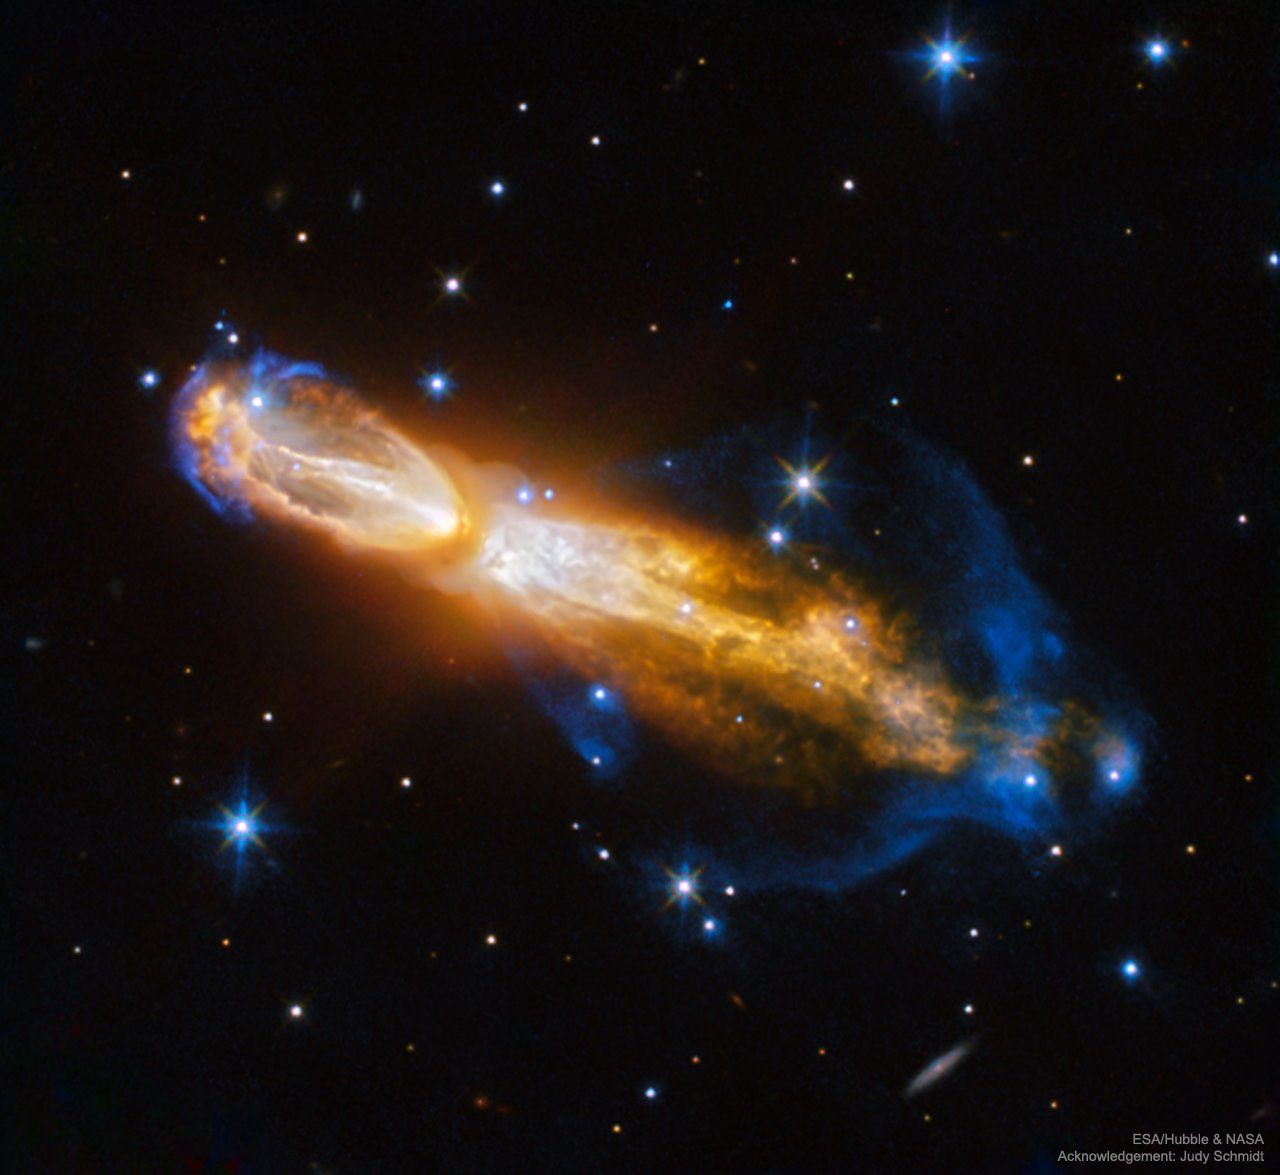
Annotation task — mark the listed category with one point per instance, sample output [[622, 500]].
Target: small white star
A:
[[438, 384]]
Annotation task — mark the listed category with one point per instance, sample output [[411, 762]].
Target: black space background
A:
[[996, 292]]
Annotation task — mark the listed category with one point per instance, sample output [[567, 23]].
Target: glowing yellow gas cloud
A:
[[698, 631], [767, 671]]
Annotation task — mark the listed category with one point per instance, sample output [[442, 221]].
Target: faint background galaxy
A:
[[314, 867]]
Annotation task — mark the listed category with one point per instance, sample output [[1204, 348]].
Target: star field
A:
[[314, 869]]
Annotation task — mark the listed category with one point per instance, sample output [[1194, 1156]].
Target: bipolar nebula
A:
[[924, 682]]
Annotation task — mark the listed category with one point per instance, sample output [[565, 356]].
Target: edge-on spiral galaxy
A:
[[776, 678]]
